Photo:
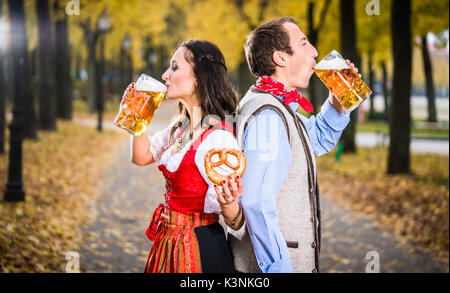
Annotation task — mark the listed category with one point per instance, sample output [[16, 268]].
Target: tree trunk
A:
[[400, 115], [2, 97], [98, 80], [314, 82], [371, 85], [77, 66], [245, 78], [91, 42], [385, 90], [92, 90], [34, 64], [317, 90], [2, 106], [47, 105], [63, 79], [348, 41], [432, 117]]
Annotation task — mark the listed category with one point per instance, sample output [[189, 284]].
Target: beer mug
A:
[[347, 86], [139, 103]]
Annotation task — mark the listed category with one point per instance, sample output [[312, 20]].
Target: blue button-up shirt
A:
[[268, 154]]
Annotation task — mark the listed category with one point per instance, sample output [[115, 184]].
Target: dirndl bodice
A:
[[180, 228]]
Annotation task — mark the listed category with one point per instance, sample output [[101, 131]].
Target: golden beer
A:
[[347, 86], [138, 107]]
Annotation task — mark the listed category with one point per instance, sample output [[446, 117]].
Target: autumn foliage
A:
[[60, 173], [415, 206]]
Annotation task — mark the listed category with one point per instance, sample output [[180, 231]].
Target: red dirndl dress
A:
[[185, 239]]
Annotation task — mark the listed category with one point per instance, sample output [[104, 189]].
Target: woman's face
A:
[[179, 77]]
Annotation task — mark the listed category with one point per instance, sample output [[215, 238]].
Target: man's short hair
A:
[[263, 41]]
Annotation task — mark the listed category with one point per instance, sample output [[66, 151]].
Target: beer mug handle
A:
[[129, 88]]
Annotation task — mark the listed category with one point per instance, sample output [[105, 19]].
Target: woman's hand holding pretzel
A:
[[232, 183], [228, 200], [231, 190], [232, 186]]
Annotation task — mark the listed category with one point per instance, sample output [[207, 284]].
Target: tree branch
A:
[[86, 26], [262, 8], [239, 4], [323, 15]]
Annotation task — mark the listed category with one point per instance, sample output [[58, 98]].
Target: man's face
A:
[[299, 65]]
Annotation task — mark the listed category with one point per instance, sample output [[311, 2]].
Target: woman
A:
[[185, 229]]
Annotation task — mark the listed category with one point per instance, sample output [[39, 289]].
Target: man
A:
[[281, 196]]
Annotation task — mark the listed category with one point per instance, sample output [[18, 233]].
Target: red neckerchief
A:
[[271, 86]]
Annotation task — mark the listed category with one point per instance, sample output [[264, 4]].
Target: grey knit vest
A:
[[297, 203]]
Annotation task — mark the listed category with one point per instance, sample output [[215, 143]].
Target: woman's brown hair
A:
[[214, 90]]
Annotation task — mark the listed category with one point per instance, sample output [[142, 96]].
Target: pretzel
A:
[[216, 177]]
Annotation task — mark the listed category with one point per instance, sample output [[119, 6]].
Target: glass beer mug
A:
[[347, 86], [139, 103]]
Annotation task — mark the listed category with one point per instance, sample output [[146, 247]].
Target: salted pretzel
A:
[[216, 177]]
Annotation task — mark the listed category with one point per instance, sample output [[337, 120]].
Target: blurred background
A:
[[65, 173]]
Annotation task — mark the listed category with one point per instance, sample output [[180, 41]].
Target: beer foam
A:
[[332, 61], [148, 83]]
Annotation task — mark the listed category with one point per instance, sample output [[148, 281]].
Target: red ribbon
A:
[[271, 86], [154, 223]]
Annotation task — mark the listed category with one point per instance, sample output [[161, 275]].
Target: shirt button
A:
[[313, 245], [261, 264]]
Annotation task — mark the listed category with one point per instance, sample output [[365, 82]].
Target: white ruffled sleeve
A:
[[159, 142], [217, 139]]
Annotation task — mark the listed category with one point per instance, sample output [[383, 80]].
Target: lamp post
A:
[[151, 61], [103, 26], [14, 187], [126, 43], [2, 84], [3, 32], [125, 62]]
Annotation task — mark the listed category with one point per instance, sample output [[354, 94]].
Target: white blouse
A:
[[217, 139]]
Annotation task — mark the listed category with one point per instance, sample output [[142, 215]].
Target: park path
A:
[[418, 144], [115, 240]]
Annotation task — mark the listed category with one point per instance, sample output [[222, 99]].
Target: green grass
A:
[[111, 108], [418, 128]]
